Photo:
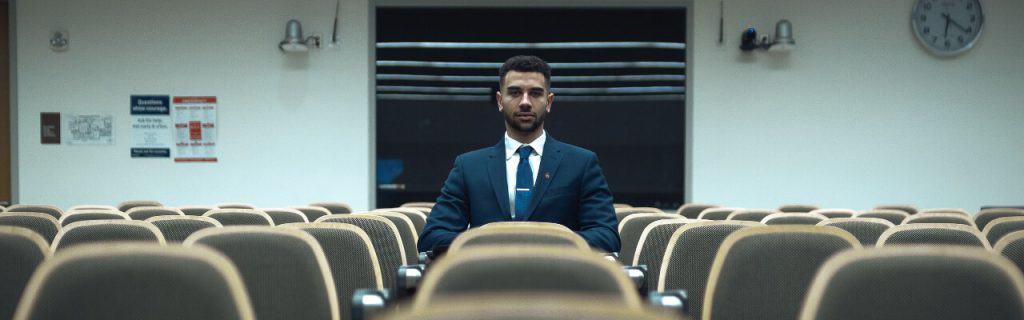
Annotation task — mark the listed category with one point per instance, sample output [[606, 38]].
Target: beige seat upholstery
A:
[[406, 232], [234, 205], [836, 213], [622, 213], [995, 230], [94, 231], [793, 218], [86, 215], [93, 207], [866, 230], [240, 217], [716, 213], [653, 243], [515, 236], [630, 230], [984, 217], [285, 271], [197, 211], [891, 215], [906, 208], [285, 215], [621, 205], [527, 224], [945, 210], [546, 306], [312, 213], [128, 205], [418, 218], [933, 233], [143, 213], [939, 217], [53, 211], [21, 251], [333, 207], [525, 271], [916, 283], [755, 215], [1012, 247], [177, 228], [693, 210], [798, 208], [765, 272], [387, 242], [689, 255], [41, 223], [427, 205], [136, 281]]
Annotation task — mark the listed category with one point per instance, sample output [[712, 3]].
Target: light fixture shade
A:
[[784, 33], [293, 41]]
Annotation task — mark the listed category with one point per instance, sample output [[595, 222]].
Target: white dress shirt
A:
[[512, 164]]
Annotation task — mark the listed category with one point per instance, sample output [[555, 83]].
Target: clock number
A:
[[935, 38], [924, 18], [927, 6], [974, 18], [927, 30], [970, 5], [961, 39]]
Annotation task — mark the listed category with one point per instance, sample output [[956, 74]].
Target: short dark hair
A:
[[524, 64]]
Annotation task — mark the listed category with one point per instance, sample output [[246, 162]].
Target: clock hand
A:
[[950, 20]]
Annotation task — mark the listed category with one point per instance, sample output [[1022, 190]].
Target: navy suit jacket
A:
[[569, 190]]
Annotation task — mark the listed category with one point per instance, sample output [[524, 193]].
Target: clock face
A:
[[947, 27]]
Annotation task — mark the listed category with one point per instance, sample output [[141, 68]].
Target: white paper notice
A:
[[195, 127], [91, 129]]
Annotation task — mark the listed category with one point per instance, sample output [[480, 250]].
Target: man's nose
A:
[[525, 103]]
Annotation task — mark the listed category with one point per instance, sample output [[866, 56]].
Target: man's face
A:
[[525, 101]]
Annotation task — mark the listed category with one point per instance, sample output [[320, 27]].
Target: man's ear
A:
[[551, 100], [497, 96]]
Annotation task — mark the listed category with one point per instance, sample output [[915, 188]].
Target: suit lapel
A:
[[548, 165], [496, 170]]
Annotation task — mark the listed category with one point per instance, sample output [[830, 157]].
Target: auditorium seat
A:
[[995, 230], [312, 213], [755, 215], [285, 215], [128, 205], [891, 215], [234, 205], [520, 224], [93, 231], [41, 223], [1012, 247], [535, 307], [692, 210], [143, 213], [765, 272], [916, 283], [689, 254], [333, 207], [135, 281], [177, 228], [427, 205], [652, 245], [385, 238], [240, 217], [797, 208], [945, 210], [284, 269], [793, 218], [76, 216], [53, 211], [933, 233], [510, 236], [406, 232], [716, 213], [21, 251], [939, 217], [984, 217], [622, 213], [351, 257], [866, 230], [630, 230], [525, 271], [197, 211], [418, 218], [905, 208], [621, 205], [836, 213], [92, 207]]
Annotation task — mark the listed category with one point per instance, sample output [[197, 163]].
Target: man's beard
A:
[[538, 121]]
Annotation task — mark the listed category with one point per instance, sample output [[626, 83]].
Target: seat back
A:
[[21, 251], [836, 213], [128, 205], [630, 230], [427, 205], [312, 213], [939, 217], [716, 213], [41, 223], [755, 215], [333, 207], [797, 208], [894, 216], [1011, 246], [284, 269], [866, 230], [528, 224], [1000, 227], [651, 249], [916, 283], [143, 213], [87, 207], [285, 215], [984, 217], [793, 218], [386, 241], [509, 236], [933, 233], [76, 216], [945, 210], [764, 273], [692, 210], [53, 211], [93, 231], [546, 306], [905, 208], [406, 231], [135, 281], [197, 211], [524, 271], [418, 218], [177, 228], [351, 257], [234, 205], [689, 255], [240, 217]]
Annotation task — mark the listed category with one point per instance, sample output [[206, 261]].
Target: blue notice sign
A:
[[151, 105], [151, 126]]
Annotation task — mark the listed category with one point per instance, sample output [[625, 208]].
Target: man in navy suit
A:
[[528, 175]]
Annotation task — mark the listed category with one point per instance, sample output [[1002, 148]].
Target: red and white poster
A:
[[195, 127]]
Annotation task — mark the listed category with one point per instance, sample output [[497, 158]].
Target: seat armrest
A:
[[368, 303], [674, 300], [408, 280], [638, 274]]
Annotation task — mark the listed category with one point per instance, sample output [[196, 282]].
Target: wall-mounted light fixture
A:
[[59, 41], [783, 38], [293, 40]]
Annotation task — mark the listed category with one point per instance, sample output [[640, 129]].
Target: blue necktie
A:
[[524, 182]]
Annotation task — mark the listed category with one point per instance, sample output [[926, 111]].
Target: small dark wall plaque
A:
[[49, 125]]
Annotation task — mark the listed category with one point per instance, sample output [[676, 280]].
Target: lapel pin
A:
[[547, 175]]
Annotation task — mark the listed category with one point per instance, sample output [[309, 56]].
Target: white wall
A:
[[292, 130], [859, 113]]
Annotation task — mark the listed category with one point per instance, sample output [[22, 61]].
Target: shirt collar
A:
[[512, 146]]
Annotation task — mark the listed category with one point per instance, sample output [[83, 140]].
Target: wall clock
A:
[[947, 27]]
